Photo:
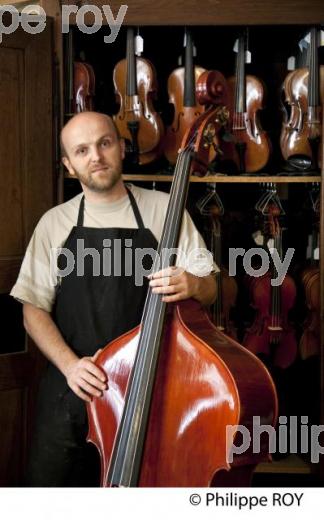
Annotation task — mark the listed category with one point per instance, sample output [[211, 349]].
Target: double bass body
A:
[[204, 382]]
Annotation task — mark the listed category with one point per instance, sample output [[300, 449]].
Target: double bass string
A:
[[134, 419]]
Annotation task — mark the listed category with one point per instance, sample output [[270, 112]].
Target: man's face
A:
[[94, 153]]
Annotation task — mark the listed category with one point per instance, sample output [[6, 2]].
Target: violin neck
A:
[[126, 458], [240, 86], [313, 75], [314, 246], [218, 305], [189, 96], [131, 79], [70, 72], [275, 289]]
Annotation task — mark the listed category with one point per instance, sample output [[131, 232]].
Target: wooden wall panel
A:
[[26, 192], [11, 174], [12, 431]]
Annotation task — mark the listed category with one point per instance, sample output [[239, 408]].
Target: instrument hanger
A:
[[267, 198], [210, 200]]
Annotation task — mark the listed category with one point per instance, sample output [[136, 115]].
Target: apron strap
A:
[[81, 211], [135, 209]]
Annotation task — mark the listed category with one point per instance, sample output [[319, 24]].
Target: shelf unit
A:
[[235, 13], [225, 178]]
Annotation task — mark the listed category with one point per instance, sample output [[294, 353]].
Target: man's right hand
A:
[[85, 378]]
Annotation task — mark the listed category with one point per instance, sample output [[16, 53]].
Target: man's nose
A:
[[95, 154]]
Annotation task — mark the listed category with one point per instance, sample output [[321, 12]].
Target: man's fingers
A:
[[158, 282], [92, 380], [89, 389], [168, 289], [94, 370], [79, 392], [168, 271], [173, 298]]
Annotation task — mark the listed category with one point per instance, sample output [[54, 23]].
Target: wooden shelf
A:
[[221, 178], [291, 464], [225, 178]]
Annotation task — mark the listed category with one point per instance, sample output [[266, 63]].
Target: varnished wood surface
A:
[[321, 265], [214, 12], [26, 192], [204, 382], [133, 177]]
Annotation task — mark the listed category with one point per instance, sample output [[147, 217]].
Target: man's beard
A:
[[100, 183]]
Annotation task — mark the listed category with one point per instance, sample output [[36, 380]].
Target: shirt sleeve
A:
[[35, 283], [193, 255]]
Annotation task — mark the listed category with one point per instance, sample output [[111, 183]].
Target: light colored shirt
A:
[[37, 280]]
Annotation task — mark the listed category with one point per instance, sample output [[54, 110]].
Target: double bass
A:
[[175, 383], [137, 121], [304, 90], [246, 144]]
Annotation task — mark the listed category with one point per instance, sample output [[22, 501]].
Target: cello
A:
[[137, 121], [175, 382], [181, 89], [246, 144]]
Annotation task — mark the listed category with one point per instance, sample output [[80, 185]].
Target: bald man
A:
[[71, 311]]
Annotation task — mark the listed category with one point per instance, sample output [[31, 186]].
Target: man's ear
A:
[[68, 166]]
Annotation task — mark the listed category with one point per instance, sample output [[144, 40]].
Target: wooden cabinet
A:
[[27, 190], [274, 28], [274, 25]]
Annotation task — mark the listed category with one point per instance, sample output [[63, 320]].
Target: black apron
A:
[[90, 311]]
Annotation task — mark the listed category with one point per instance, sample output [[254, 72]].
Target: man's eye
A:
[[81, 151], [105, 143]]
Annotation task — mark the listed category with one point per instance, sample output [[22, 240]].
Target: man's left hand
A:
[[175, 284]]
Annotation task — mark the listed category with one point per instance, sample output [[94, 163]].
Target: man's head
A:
[[92, 150]]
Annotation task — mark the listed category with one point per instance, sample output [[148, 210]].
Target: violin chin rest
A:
[[298, 162]]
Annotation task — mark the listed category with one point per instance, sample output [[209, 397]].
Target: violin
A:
[[175, 381], [271, 334], [137, 121], [309, 344], [288, 104], [304, 93], [84, 87], [211, 206], [226, 285], [81, 82], [182, 94], [245, 144]]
